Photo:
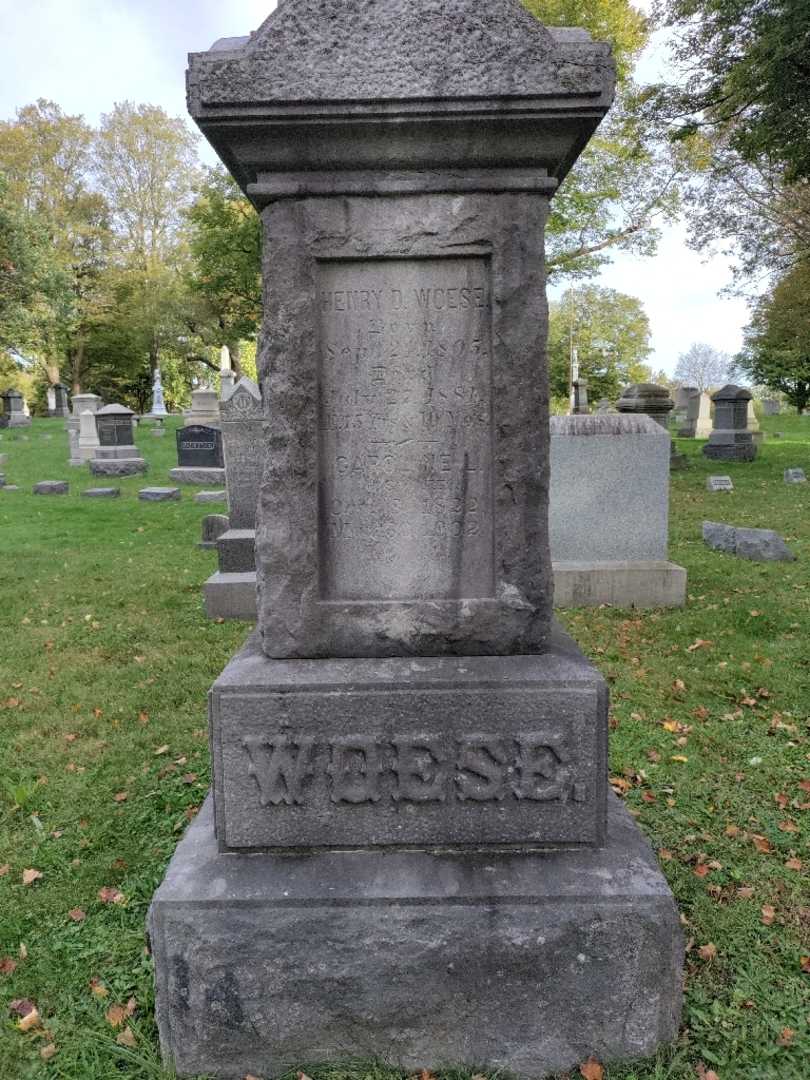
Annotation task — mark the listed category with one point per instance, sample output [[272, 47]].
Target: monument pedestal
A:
[[637, 583], [230, 596], [193, 475], [527, 962]]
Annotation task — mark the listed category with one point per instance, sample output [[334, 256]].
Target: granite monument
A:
[[730, 439]]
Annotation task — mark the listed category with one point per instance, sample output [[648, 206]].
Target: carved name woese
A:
[[418, 769], [405, 428]]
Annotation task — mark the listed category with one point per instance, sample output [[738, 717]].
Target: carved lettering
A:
[[538, 767], [421, 770], [355, 768], [482, 768], [279, 765]]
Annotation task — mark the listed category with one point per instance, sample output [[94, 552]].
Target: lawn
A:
[[106, 661]]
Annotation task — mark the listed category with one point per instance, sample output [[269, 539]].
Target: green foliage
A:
[[623, 26], [611, 334], [776, 351]]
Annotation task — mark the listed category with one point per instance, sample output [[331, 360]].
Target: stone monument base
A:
[[730, 446], [230, 596], [237, 551], [186, 474], [15, 420], [118, 466], [650, 584], [524, 962]]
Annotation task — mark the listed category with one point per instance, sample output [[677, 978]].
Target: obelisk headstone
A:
[[409, 760]]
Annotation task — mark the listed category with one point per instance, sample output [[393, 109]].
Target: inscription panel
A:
[[405, 429]]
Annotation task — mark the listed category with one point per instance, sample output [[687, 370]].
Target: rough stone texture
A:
[[526, 963], [87, 440], [609, 491], [795, 476], [51, 487], [761, 545], [231, 596], [159, 494], [182, 475], [101, 493], [236, 549], [118, 466], [114, 453], [210, 496], [637, 584], [730, 440], [242, 436], [439, 751], [719, 483], [213, 526], [385, 527]]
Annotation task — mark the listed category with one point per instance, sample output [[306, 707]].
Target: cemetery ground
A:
[[105, 664]]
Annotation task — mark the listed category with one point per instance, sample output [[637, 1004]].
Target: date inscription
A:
[[405, 429]]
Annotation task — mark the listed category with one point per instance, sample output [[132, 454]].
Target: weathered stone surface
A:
[[719, 483], [118, 466], [231, 596], [213, 526], [159, 494], [761, 545], [795, 476], [236, 549], [242, 436], [210, 496], [524, 962], [638, 583], [51, 487], [101, 493], [399, 752], [182, 475]]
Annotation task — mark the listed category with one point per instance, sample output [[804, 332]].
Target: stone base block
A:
[[118, 467], [159, 494], [231, 596], [651, 584], [113, 453], [185, 474], [237, 551], [15, 420], [527, 963]]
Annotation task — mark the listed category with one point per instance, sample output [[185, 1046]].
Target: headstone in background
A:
[[681, 397], [609, 513], [653, 401], [158, 408], [80, 403], [13, 414], [604, 405], [204, 407], [101, 493], [581, 407], [84, 441], [760, 545], [771, 406], [242, 429], [411, 693], [213, 526], [159, 494], [157, 429], [795, 476], [719, 483], [50, 399], [226, 375], [753, 424], [52, 487], [199, 455], [116, 453], [58, 404], [695, 421], [730, 439], [219, 495]]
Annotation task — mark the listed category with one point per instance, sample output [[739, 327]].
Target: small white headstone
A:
[[719, 483], [795, 476]]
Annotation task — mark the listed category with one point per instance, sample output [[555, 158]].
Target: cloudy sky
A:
[[88, 54]]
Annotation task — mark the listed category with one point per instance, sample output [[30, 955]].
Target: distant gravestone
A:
[[760, 545], [204, 407], [101, 493], [730, 439], [771, 406], [696, 420], [61, 405], [213, 526], [581, 407], [795, 476], [159, 494], [211, 496], [13, 414], [199, 447], [719, 483], [158, 407], [114, 426], [116, 453], [51, 487]]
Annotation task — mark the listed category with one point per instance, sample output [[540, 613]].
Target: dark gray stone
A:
[[13, 413], [51, 487], [395, 752], [199, 446], [730, 438], [114, 424], [527, 963], [159, 494], [647, 398], [795, 476], [719, 483], [118, 466], [242, 436], [236, 549], [761, 545], [101, 493], [213, 526]]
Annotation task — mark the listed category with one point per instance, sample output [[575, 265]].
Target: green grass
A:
[[107, 658]]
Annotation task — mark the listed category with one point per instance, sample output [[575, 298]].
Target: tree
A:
[[776, 349], [611, 334], [702, 366]]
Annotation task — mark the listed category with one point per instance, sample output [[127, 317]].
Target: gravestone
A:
[[771, 406], [580, 388], [79, 404], [604, 405], [204, 407], [87, 439], [719, 483], [116, 453], [696, 417], [653, 401], [13, 414], [51, 487], [158, 408], [409, 759], [199, 455], [50, 400], [730, 439], [61, 403], [101, 493], [681, 398], [609, 513], [219, 495], [753, 424], [795, 476], [213, 526], [242, 425], [159, 494], [226, 375], [759, 545]]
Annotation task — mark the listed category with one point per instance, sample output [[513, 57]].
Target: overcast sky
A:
[[88, 54]]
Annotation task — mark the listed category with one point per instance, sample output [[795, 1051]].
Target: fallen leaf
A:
[[4, 869], [131, 1006], [745, 892], [781, 799], [699, 643], [162, 750], [665, 855], [7, 965], [121, 796], [47, 1052], [31, 1019], [23, 951], [788, 826], [707, 952], [30, 876], [732, 830], [762, 845], [126, 1037], [115, 1015], [768, 914], [701, 870], [804, 964], [110, 895], [619, 784], [705, 1074], [785, 1037], [591, 1070], [97, 713], [189, 778], [98, 987], [804, 785], [77, 914], [679, 757], [793, 864]]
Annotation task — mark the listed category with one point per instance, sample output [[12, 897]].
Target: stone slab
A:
[[101, 493], [10, 487], [525, 963], [237, 554], [210, 496], [51, 487], [760, 545], [159, 494], [112, 453], [795, 476], [119, 467], [231, 596], [626, 584], [398, 752], [213, 526], [719, 483], [204, 477]]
